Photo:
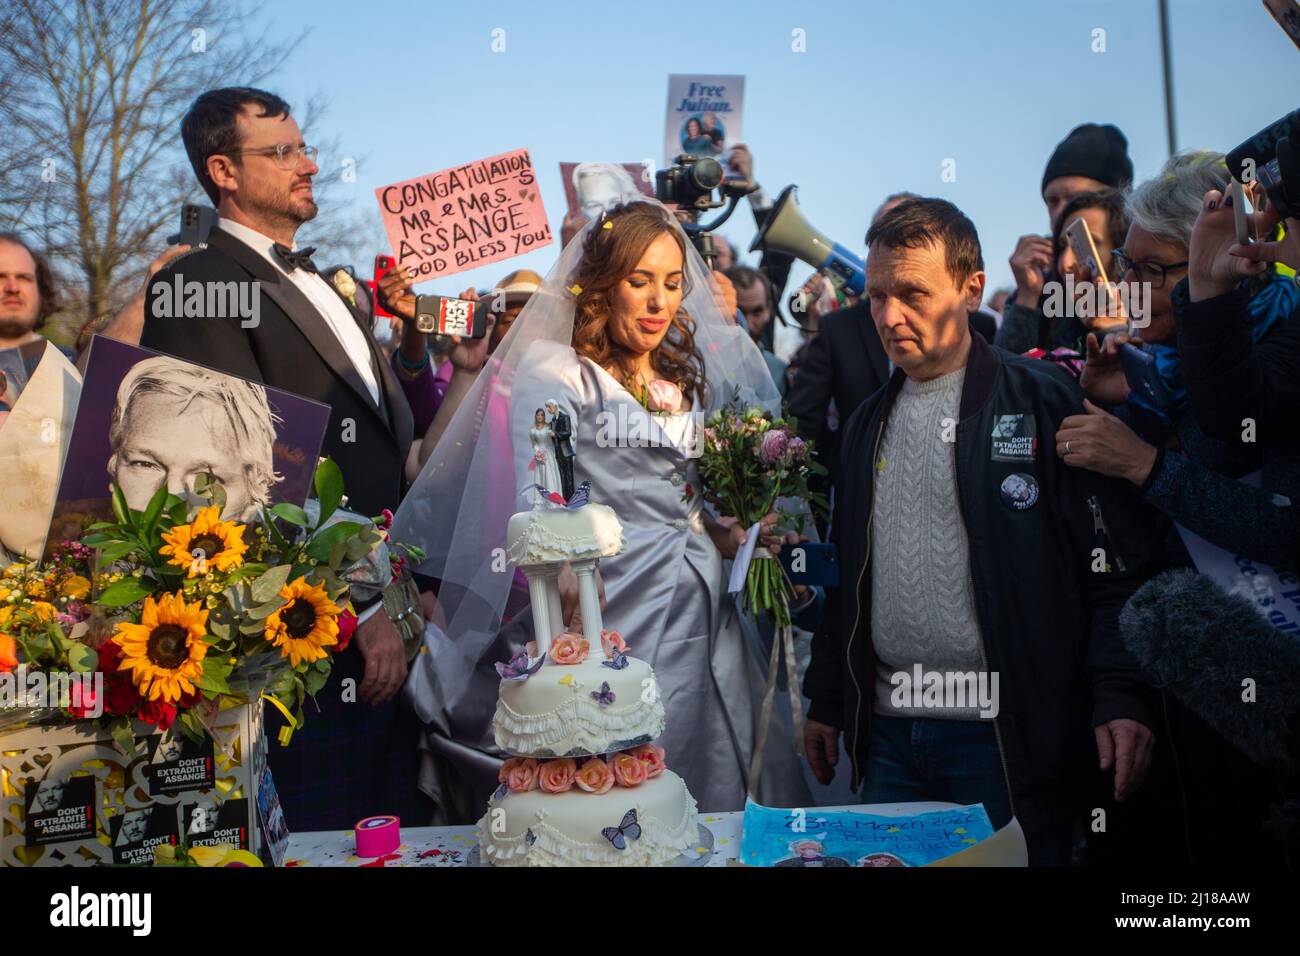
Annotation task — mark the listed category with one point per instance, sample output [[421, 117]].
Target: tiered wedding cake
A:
[[584, 785]]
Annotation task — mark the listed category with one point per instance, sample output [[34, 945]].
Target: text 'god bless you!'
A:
[[465, 216]]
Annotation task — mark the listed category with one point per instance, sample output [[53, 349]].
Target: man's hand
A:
[[821, 742], [742, 162], [1033, 256], [1103, 373], [570, 605], [385, 658], [1127, 746], [1100, 442]]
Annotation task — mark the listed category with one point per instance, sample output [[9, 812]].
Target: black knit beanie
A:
[[1092, 150]]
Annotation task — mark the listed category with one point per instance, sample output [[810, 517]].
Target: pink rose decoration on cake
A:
[[556, 776], [611, 641], [594, 776], [664, 396], [629, 771], [519, 774], [652, 757], [569, 649]]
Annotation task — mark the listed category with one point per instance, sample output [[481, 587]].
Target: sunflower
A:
[[207, 544], [304, 627], [165, 651]]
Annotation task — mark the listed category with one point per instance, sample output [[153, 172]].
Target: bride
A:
[[543, 461], [626, 322]]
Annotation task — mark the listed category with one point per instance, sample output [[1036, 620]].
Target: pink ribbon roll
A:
[[377, 836]]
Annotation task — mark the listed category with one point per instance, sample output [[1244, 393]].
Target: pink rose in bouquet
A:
[[772, 446]]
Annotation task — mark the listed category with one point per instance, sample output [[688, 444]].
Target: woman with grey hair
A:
[[174, 421], [1150, 436]]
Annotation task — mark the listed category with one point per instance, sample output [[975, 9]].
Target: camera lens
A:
[[706, 174]]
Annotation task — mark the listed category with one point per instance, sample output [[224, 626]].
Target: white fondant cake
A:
[[536, 828], [549, 534], [553, 713]]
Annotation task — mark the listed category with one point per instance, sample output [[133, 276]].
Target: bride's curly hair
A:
[[608, 256]]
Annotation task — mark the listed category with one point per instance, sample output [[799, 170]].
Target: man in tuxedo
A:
[[357, 756]]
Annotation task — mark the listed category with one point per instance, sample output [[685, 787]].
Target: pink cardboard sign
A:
[[465, 216]]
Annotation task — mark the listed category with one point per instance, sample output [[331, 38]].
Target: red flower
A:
[[161, 714], [120, 696], [84, 700], [347, 627]]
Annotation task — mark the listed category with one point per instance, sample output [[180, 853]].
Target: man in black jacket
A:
[[307, 337], [973, 640]]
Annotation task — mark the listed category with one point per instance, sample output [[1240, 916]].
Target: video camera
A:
[[690, 184], [1272, 158]]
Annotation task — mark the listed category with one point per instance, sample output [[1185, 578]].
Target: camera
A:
[[1272, 158], [690, 183]]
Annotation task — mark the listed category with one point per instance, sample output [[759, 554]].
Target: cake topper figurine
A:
[[562, 438]]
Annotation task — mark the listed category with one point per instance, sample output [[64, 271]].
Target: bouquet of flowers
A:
[[751, 461], [185, 614]]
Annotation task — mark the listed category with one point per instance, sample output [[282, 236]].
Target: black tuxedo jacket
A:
[[293, 348]]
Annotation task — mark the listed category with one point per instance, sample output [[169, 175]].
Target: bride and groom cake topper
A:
[[553, 450]]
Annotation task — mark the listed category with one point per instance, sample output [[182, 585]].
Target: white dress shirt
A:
[[320, 294]]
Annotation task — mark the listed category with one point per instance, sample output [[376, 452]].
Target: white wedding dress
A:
[[546, 472]]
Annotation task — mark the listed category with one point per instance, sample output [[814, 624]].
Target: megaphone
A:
[[786, 230]]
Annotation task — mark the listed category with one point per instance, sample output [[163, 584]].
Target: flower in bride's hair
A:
[[594, 776], [575, 289], [569, 649], [608, 224]]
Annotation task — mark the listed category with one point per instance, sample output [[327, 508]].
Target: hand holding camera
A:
[[1211, 268]]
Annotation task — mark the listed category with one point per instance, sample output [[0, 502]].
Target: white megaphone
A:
[[786, 230]]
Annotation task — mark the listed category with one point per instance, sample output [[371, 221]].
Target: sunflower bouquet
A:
[[186, 613], [752, 460]]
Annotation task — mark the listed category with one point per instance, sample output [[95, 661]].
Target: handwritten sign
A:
[[466, 216], [820, 837]]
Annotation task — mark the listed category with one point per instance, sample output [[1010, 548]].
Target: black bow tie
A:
[[300, 259]]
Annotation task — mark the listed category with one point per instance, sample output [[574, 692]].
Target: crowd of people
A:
[[1012, 492]]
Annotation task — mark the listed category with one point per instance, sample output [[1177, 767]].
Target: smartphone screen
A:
[[383, 266]]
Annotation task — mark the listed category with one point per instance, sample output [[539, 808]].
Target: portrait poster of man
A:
[[147, 419], [592, 188]]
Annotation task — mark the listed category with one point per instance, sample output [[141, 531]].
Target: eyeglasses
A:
[[287, 155], [1153, 272]]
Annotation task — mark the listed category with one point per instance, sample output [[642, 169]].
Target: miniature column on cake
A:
[[555, 532]]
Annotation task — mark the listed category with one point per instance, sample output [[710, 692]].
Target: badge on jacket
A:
[[1014, 438], [1019, 491]]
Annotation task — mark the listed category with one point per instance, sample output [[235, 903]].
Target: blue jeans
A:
[[955, 761], [920, 758]]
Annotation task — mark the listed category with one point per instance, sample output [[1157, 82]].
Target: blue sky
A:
[[883, 95]]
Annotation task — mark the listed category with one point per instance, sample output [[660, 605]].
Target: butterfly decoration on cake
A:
[[580, 497], [617, 662], [501, 791], [530, 836], [604, 696], [629, 829], [519, 667]]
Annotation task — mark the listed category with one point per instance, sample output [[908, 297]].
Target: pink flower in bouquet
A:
[[797, 449], [519, 774], [611, 641], [594, 776], [386, 520], [569, 649], [664, 396], [652, 757], [773, 446], [629, 770], [557, 776]]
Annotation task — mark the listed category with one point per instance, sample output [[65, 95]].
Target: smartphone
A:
[[196, 223], [1287, 15], [811, 564], [383, 266], [1140, 371], [446, 315], [1240, 214], [1079, 236]]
